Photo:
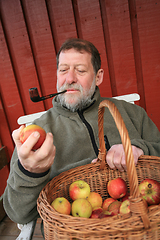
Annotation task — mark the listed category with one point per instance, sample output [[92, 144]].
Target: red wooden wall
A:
[[126, 32]]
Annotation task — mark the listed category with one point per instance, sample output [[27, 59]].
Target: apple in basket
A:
[[79, 189], [107, 202], [114, 207], [61, 205], [125, 207], [125, 197], [96, 212], [106, 214], [95, 199], [117, 188], [81, 208], [150, 191], [27, 131]]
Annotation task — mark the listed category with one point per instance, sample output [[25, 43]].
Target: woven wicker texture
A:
[[141, 223]]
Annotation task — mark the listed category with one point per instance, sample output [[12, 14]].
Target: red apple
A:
[[117, 188], [150, 191], [105, 214], [114, 207], [81, 208], [96, 212], [26, 132], [125, 197], [125, 207], [61, 205], [107, 202], [95, 199], [79, 189]]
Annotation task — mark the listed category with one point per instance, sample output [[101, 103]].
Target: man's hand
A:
[[37, 161], [116, 157]]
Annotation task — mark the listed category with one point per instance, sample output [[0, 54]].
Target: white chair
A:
[[28, 229], [132, 98], [28, 119]]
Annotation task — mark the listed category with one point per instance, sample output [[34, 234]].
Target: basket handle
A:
[[137, 203]]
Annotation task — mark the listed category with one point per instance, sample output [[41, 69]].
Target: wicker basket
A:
[[141, 223]]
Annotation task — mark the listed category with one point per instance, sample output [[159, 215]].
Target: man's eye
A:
[[62, 70], [81, 71]]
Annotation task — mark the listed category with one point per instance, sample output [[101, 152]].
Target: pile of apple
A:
[[91, 205]]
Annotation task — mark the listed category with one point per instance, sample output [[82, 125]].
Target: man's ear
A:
[[99, 77]]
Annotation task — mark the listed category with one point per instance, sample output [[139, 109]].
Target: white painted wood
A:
[[28, 119], [129, 97], [27, 230]]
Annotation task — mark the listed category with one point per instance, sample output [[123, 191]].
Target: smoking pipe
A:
[[34, 95]]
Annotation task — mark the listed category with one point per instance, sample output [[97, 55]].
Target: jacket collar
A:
[[64, 111]]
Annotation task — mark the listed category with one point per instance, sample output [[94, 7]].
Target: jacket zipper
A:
[[90, 130]]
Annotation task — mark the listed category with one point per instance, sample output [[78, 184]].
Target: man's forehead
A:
[[74, 56], [75, 50]]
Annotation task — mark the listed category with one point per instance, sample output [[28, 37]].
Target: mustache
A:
[[74, 86]]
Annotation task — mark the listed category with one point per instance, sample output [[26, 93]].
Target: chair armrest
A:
[[27, 230], [28, 119]]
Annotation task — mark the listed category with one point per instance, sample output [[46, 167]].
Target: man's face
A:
[[75, 74]]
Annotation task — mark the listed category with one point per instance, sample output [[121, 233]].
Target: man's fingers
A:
[[27, 146], [115, 157], [110, 158], [123, 162], [16, 135], [47, 147], [45, 154], [94, 160], [117, 160], [137, 152]]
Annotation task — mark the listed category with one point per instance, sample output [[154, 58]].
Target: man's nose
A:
[[71, 76]]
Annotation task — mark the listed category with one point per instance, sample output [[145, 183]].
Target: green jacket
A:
[[76, 140]]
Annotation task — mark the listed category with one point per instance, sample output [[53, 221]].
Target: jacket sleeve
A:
[[22, 191], [150, 136]]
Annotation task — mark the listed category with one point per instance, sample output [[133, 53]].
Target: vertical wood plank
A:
[[20, 52], [42, 45], [4, 168], [89, 27], [8, 87], [4, 173], [62, 21], [137, 52], [120, 41], [148, 17], [5, 140], [5, 134]]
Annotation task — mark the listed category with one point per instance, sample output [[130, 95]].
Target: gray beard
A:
[[84, 100]]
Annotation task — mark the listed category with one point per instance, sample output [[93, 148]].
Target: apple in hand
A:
[[95, 199], [81, 208], [114, 207], [61, 205], [26, 132], [150, 191], [96, 212], [125, 206], [117, 188], [79, 189], [107, 202]]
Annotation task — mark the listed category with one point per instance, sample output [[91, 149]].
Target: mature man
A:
[[72, 131]]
